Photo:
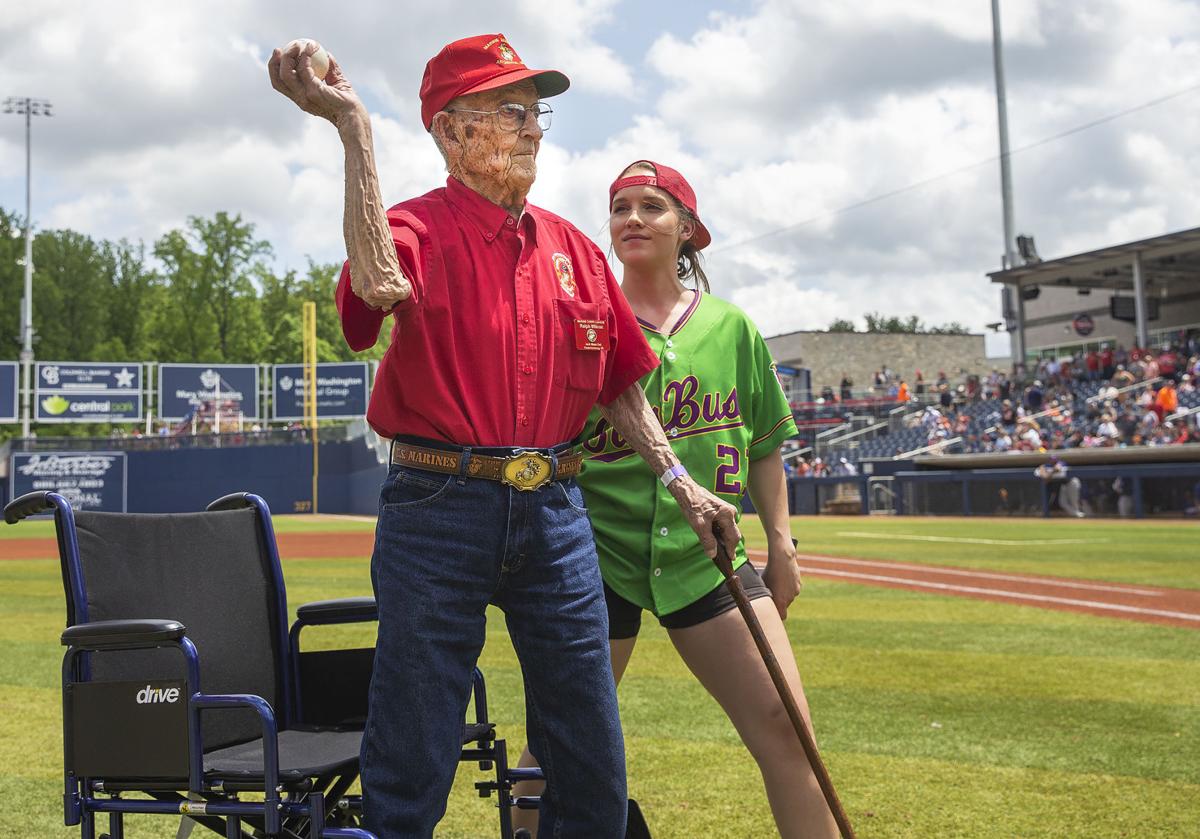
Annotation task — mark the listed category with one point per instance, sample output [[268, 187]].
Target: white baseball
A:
[[320, 62]]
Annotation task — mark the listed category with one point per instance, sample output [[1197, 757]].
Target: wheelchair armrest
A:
[[29, 504], [122, 634], [345, 610]]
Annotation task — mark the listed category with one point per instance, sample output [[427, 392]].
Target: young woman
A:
[[718, 398]]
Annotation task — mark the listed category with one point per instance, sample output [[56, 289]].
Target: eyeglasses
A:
[[512, 116]]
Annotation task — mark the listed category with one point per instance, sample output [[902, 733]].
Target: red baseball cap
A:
[[475, 64], [675, 185]]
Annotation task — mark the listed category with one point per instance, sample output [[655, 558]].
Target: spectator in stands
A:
[[1034, 396], [1168, 364], [1166, 401], [1108, 429], [1108, 365], [1123, 377], [847, 388], [846, 469], [1029, 435], [919, 383], [1149, 366], [945, 397], [1008, 415], [902, 394]]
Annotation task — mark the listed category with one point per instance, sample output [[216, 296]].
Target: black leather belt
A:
[[525, 469]]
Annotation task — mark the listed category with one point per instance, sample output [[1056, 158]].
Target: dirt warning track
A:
[[1167, 606]]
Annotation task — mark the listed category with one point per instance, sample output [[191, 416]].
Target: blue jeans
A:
[[445, 547]]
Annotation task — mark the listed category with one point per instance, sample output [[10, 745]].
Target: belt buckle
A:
[[526, 470]]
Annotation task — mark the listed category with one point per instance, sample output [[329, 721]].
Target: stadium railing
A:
[[265, 437]]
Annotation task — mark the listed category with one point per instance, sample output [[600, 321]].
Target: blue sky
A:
[[777, 111]]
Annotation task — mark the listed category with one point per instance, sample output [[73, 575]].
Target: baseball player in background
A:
[[508, 328], [718, 398]]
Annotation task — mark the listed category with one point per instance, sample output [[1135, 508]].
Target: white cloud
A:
[[778, 114]]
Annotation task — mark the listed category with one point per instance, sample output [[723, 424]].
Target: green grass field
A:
[[937, 716]]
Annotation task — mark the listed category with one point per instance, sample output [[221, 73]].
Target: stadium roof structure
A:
[[1172, 256], [1132, 266]]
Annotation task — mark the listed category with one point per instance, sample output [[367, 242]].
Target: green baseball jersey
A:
[[721, 406]]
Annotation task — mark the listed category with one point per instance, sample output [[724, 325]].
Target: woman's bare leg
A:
[[722, 655]]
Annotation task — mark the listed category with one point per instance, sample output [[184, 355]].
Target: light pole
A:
[[1014, 301], [30, 108]]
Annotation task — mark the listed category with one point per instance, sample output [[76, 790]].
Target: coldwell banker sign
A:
[[8, 391], [89, 480], [341, 390], [182, 387], [87, 391]]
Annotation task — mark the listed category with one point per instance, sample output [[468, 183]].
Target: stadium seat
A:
[[183, 684]]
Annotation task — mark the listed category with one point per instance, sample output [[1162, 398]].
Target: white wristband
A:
[[676, 471]]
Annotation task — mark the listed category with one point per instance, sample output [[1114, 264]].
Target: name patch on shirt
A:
[[590, 334]]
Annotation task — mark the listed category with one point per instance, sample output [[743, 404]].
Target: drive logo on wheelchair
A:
[[150, 696]]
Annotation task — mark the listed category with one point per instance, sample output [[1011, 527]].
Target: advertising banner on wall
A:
[[10, 376], [88, 391], [342, 389], [88, 480], [182, 387]]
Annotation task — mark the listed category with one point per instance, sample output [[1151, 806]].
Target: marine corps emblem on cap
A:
[[507, 54], [565, 272]]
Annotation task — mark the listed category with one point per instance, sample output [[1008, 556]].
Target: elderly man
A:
[[508, 328]]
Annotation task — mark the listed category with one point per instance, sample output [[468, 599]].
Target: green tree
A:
[[841, 325], [70, 312], [210, 310], [951, 328], [877, 322], [12, 283]]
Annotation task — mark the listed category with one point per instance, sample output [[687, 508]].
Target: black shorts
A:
[[625, 618]]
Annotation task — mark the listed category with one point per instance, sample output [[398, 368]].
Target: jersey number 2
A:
[[727, 472]]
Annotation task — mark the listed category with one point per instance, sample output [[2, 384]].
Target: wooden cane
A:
[[725, 564]]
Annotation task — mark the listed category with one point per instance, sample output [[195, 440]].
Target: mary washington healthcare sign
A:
[[342, 390], [182, 387], [88, 480]]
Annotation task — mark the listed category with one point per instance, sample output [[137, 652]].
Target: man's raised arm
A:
[[375, 273]]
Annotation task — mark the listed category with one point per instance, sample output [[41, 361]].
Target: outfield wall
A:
[[187, 479]]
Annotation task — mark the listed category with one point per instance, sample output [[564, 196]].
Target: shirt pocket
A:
[[576, 368]]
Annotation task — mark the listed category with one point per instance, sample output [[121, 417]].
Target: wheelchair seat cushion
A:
[[302, 754], [305, 754]]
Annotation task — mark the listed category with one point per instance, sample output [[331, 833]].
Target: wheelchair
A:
[[183, 685]]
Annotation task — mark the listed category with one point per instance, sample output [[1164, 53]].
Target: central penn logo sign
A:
[[156, 696]]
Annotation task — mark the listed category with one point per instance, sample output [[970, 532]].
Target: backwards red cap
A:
[[475, 64], [675, 185]]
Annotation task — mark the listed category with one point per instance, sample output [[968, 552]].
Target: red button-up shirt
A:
[[513, 332]]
